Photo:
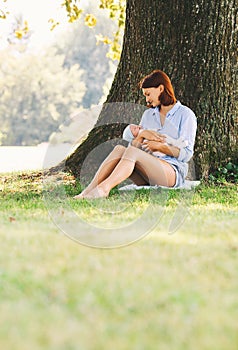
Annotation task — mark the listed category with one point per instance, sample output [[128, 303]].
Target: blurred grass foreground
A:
[[167, 291]]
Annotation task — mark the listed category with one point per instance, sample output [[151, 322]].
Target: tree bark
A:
[[195, 43]]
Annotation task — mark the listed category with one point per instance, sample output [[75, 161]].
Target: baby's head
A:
[[135, 129], [131, 131]]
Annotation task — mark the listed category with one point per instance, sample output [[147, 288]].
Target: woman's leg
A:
[[157, 171], [138, 178], [105, 169]]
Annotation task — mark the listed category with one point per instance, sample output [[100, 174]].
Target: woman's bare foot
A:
[[97, 192], [83, 194], [79, 196]]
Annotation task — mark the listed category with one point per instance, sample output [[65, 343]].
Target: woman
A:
[[167, 116]]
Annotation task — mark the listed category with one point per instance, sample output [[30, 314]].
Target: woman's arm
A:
[[153, 146], [150, 135], [187, 131]]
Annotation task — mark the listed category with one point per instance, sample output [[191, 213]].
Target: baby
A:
[[133, 130]]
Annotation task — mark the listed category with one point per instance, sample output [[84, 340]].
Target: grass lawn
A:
[[168, 291]]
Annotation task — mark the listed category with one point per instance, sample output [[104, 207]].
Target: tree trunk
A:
[[195, 43]]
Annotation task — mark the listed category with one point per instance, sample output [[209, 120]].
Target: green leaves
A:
[[90, 20], [72, 9], [116, 12], [226, 173]]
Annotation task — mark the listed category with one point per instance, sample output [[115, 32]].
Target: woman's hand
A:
[[150, 135], [152, 146]]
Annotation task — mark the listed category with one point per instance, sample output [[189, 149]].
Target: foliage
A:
[[74, 11], [3, 11], [20, 31], [85, 70], [116, 12], [78, 45], [226, 173], [37, 94]]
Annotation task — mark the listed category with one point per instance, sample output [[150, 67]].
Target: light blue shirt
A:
[[181, 122]]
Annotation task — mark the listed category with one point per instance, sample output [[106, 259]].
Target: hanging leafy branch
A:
[[22, 30], [116, 12], [3, 11], [72, 9]]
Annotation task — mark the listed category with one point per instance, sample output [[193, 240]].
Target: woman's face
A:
[[152, 95]]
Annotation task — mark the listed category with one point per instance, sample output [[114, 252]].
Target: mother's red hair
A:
[[156, 78]]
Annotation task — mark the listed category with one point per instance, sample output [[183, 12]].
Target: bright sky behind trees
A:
[[37, 14]]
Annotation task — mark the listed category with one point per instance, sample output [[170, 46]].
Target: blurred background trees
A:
[[79, 45], [37, 92], [40, 89]]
